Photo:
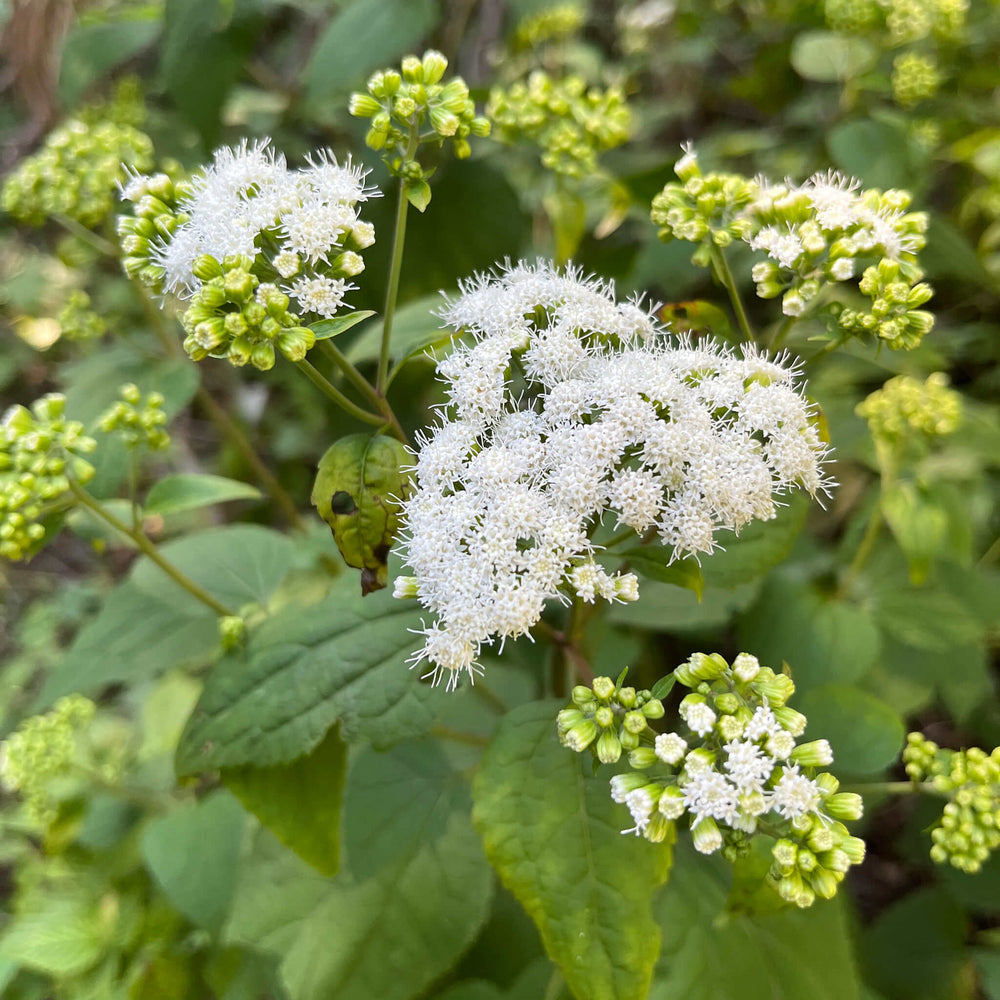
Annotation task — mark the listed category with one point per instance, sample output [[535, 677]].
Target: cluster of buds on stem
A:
[[607, 718], [42, 750], [907, 408], [570, 122], [413, 105], [138, 422], [815, 236], [234, 316], [969, 828], [40, 453], [77, 321], [76, 171], [739, 771]]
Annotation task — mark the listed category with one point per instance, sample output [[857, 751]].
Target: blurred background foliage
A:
[[886, 604]]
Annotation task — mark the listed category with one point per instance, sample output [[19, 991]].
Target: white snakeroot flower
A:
[[670, 748], [761, 725], [296, 223], [795, 794], [640, 804], [323, 296], [780, 744], [746, 666], [610, 416], [700, 718], [748, 766], [709, 793]]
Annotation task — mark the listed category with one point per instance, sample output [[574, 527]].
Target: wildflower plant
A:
[[529, 483]]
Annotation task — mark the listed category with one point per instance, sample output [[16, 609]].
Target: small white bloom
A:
[[794, 794], [670, 748], [700, 719], [746, 667]]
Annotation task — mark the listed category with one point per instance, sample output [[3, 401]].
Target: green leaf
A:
[[149, 624], [188, 491], [357, 490], [654, 561], [919, 525], [780, 956], [865, 733], [697, 317], [418, 194], [62, 937], [915, 949], [471, 989], [192, 853], [302, 671], [362, 36], [91, 50], [392, 930], [879, 153], [664, 686], [237, 563], [204, 49], [552, 833], [414, 329], [822, 640], [327, 329], [827, 56], [299, 802], [134, 635]]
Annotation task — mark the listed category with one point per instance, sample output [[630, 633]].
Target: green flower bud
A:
[[608, 748]]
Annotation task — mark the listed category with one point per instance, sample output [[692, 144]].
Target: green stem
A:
[[364, 387], [555, 985], [491, 698], [148, 549], [863, 552], [334, 394], [887, 788], [231, 430], [133, 489], [726, 277], [395, 268], [99, 243]]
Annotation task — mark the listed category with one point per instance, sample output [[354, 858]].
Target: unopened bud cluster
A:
[[243, 239], [549, 25], [233, 315], [77, 321], [906, 407], [413, 104], [608, 718], [739, 771], [915, 78], [570, 122], [814, 236], [137, 421], [42, 750], [905, 21], [40, 452], [969, 828], [76, 171], [154, 201], [564, 406]]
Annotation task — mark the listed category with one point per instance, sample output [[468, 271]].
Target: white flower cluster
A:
[[757, 772], [300, 227], [820, 229], [565, 404]]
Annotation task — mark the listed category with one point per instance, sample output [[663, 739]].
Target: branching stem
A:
[[148, 549], [725, 275]]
